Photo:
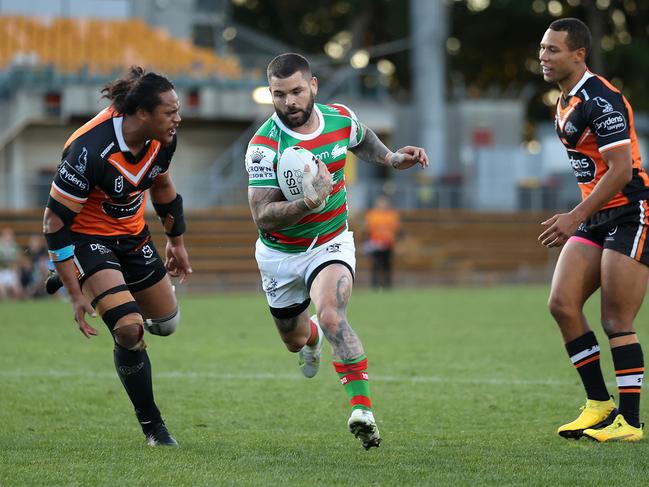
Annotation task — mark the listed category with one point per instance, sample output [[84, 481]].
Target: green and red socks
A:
[[353, 376], [313, 334]]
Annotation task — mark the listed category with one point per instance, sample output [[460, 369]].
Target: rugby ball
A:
[[290, 171]]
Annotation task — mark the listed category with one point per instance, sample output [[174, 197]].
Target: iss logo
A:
[[119, 184]]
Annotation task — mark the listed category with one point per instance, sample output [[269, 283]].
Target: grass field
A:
[[469, 386]]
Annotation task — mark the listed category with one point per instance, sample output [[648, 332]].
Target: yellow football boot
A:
[[595, 414], [618, 430]]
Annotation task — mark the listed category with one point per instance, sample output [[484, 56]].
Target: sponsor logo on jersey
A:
[[338, 151], [259, 162], [569, 128], [125, 210], [256, 156], [107, 149], [82, 161], [583, 167], [603, 104], [71, 177], [119, 184], [154, 172], [609, 124]]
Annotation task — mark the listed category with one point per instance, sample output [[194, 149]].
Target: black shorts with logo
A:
[[134, 256], [623, 229]]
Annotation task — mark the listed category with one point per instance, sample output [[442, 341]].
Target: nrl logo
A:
[[119, 184]]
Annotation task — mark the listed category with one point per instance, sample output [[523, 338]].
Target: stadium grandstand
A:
[[55, 56], [97, 46]]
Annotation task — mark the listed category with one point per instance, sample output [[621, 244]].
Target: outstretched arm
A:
[[371, 149]]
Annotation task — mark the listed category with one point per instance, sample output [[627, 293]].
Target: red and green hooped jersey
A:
[[337, 132]]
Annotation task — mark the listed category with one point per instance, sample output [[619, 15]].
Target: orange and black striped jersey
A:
[[593, 118], [102, 182]]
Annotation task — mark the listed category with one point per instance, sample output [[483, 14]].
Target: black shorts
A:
[[623, 229], [134, 256]]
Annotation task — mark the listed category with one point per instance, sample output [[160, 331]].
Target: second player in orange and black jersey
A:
[[593, 118], [102, 182], [98, 238]]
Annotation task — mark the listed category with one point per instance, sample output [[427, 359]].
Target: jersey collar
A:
[[297, 135], [117, 125], [587, 75]]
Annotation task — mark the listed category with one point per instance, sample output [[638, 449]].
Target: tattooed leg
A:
[[345, 343], [293, 331]]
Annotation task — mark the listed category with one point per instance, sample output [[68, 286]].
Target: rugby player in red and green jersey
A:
[[305, 252], [605, 235]]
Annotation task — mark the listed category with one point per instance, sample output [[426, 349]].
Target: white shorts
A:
[[284, 276]]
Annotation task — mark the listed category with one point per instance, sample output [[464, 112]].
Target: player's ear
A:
[[142, 114], [580, 54], [314, 85]]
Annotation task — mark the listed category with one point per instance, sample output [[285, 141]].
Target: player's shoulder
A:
[[336, 109], [94, 137], [600, 93], [267, 134]]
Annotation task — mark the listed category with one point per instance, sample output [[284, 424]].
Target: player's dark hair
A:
[[578, 33], [137, 89], [287, 64]]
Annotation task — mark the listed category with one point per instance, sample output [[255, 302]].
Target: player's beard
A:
[[297, 122]]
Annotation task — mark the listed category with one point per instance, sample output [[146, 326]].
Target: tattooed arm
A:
[[271, 211], [371, 149]]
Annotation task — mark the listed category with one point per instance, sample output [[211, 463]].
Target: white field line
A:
[[224, 376]]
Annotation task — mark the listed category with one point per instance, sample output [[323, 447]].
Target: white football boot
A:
[[363, 426], [309, 356]]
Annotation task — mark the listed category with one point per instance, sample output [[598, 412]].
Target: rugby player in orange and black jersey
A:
[[97, 236], [595, 118], [604, 237], [101, 181]]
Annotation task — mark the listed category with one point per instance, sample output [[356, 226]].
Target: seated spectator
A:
[[33, 267], [9, 282]]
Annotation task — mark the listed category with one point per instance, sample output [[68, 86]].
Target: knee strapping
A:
[[163, 326], [126, 324]]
